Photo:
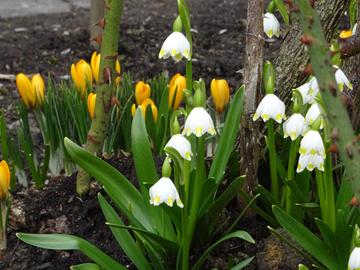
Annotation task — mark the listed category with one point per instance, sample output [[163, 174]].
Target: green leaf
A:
[[3, 138], [243, 264], [119, 188], [70, 242], [326, 233], [85, 266], [123, 237], [309, 241], [169, 245], [238, 234], [283, 10], [228, 137]]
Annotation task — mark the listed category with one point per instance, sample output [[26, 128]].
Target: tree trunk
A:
[[249, 132], [96, 14], [292, 58]]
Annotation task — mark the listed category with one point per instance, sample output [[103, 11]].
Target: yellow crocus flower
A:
[[177, 84], [4, 179], [91, 101], [345, 34], [31, 92], [81, 75], [220, 93], [147, 102], [95, 66], [142, 92]]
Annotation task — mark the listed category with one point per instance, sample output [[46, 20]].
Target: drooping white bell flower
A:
[[198, 123], [309, 91], [312, 114], [164, 191], [271, 25], [180, 144], [177, 46], [314, 89], [270, 107], [294, 126], [354, 260], [312, 144], [341, 79], [312, 152], [353, 31]]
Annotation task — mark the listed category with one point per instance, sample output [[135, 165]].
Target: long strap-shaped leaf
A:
[[119, 188], [123, 237], [309, 241], [238, 234], [70, 242]]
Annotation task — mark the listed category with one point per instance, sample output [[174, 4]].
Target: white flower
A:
[[177, 46], [312, 144], [164, 191], [180, 144], [294, 126], [270, 107], [310, 162], [341, 79], [312, 152], [312, 114], [271, 25], [309, 91], [354, 260], [353, 31], [199, 122]]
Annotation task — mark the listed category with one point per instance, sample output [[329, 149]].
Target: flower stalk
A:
[[272, 155]]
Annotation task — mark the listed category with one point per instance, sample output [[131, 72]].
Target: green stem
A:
[[272, 155], [290, 175], [189, 75], [198, 185], [329, 192], [100, 123]]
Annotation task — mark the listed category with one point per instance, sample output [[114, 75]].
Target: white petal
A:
[[198, 123], [271, 25], [180, 144], [353, 31], [354, 260], [342, 80], [312, 114], [294, 126], [164, 191], [270, 107], [312, 144], [177, 46], [304, 90]]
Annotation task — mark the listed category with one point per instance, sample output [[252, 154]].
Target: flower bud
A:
[[147, 102], [142, 92], [176, 87], [220, 93], [31, 92], [82, 76], [91, 101], [174, 126], [188, 98], [95, 67], [4, 179], [269, 77]]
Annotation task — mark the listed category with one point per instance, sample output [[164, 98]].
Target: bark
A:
[[96, 14], [292, 58], [249, 134]]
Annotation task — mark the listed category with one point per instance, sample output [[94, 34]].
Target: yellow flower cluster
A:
[[31, 92]]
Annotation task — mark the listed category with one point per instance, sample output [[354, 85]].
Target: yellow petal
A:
[[4, 179], [39, 87], [142, 92], [133, 110], [26, 90], [345, 34], [95, 65], [91, 101]]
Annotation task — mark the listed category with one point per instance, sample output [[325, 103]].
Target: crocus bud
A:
[[4, 179], [176, 88], [32, 93], [269, 78], [142, 92], [220, 93], [177, 24], [82, 76], [91, 104], [148, 102], [95, 67]]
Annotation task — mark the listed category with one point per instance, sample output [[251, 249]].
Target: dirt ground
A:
[[49, 44]]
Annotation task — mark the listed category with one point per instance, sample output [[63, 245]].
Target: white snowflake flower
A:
[[341, 79], [180, 144], [271, 25], [270, 107], [199, 122], [164, 191], [177, 46], [354, 260], [294, 126]]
